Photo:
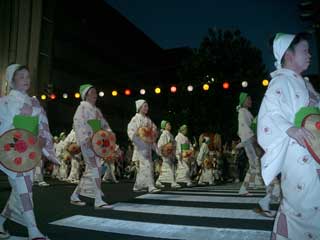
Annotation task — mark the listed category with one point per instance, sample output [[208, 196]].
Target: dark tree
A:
[[223, 56]]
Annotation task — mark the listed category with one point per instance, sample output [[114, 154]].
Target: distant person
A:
[[284, 144], [249, 142], [167, 146], [90, 181], [143, 132]]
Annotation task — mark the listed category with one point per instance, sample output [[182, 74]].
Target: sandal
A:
[[265, 213], [246, 194], [78, 203], [4, 235], [103, 206], [154, 190]]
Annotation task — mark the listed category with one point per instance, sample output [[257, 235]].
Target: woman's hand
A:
[[301, 135]]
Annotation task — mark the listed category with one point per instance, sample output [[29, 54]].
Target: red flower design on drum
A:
[[18, 160], [17, 135], [31, 140], [103, 134], [32, 155], [106, 143], [104, 151], [318, 125], [98, 142], [20, 146], [7, 147]]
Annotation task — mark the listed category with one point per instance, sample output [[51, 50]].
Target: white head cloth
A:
[[11, 69], [280, 45], [139, 103]]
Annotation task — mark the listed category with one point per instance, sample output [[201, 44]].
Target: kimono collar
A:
[[87, 104], [18, 95], [285, 71]]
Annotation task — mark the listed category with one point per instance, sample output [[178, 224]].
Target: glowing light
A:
[[34, 96], [157, 90], [65, 95], [43, 97], [265, 82], [173, 89], [53, 96], [225, 85], [205, 87], [142, 91], [212, 79], [114, 93], [127, 92], [190, 88], [244, 84], [101, 94], [77, 95]]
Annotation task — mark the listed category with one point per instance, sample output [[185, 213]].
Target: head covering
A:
[[242, 98], [139, 104], [183, 127], [11, 69], [206, 139], [281, 43], [163, 124], [84, 90]]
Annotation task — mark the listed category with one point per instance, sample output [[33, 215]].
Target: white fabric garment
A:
[[142, 152], [183, 169], [206, 174], [299, 213], [90, 182], [245, 119], [167, 173]]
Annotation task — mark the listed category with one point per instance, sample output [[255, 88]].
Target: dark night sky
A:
[[178, 23]]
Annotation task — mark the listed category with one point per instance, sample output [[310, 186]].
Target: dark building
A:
[[90, 42]]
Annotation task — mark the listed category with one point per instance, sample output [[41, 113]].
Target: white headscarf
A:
[[280, 45], [139, 103], [11, 69]]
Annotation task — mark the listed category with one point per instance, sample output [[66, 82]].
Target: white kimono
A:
[[19, 207], [183, 170], [206, 174], [299, 213], [142, 152], [253, 176], [74, 174], [90, 182], [167, 172]]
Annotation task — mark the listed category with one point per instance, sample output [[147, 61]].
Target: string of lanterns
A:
[[157, 90]]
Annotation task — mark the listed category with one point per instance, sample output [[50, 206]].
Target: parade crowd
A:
[[275, 151]]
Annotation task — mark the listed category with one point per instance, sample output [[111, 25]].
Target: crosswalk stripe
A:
[[195, 198], [218, 190], [189, 211], [211, 193], [159, 230]]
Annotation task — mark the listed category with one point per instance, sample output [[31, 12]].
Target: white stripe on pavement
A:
[[212, 193], [158, 230], [190, 211], [191, 198]]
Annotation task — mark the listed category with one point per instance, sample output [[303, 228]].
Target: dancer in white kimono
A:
[[205, 162], [142, 132], [55, 170], [248, 141], [109, 175], [168, 167], [184, 147], [19, 207], [72, 148], [90, 182], [285, 145]]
